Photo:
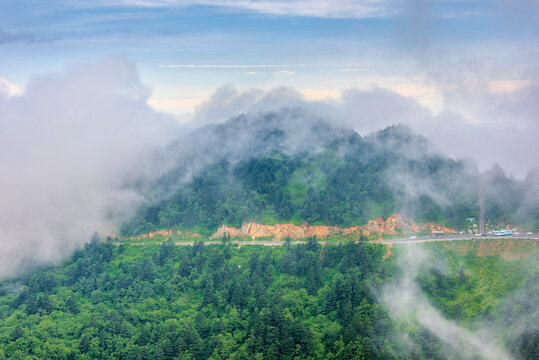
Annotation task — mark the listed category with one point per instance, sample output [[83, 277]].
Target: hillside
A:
[[286, 168], [301, 302], [508, 249], [374, 229]]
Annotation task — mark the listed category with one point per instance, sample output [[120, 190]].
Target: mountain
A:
[[345, 299], [286, 167]]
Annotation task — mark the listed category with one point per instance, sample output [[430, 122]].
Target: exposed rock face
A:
[[432, 226], [223, 230], [290, 230], [165, 234], [390, 226], [278, 231]]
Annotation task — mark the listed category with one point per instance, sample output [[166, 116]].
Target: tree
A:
[[287, 242], [16, 333], [209, 294], [84, 344], [72, 305], [226, 239], [94, 240]]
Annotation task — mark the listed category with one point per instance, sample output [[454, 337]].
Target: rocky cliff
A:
[[166, 234], [392, 225]]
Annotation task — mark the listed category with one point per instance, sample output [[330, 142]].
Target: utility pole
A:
[[481, 207]]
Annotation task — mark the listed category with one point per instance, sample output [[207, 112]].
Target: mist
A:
[[487, 88], [72, 147], [79, 145], [236, 123], [407, 303], [508, 139]]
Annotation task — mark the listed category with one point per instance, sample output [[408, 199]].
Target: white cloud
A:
[[227, 101], [9, 89], [271, 73], [512, 142], [319, 8], [313, 8], [71, 144], [353, 70], [232, 66]]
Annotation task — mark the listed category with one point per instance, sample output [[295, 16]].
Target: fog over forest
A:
[[77, 145], [129, 128]]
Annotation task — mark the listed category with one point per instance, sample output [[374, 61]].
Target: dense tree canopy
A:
[[336, 178], [222, 302]]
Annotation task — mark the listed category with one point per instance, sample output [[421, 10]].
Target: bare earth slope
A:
[[380, 226]]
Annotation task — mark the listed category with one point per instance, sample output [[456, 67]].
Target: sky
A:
[[462, 72]]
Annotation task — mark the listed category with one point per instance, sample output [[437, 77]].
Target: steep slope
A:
[[285, 168], [392, 225], [305, 301]]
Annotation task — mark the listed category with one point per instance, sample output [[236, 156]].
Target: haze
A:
[[78, 125]]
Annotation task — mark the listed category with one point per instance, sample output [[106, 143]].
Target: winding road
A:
[[409, 240]]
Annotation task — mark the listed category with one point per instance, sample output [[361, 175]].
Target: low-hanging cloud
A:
[[71, 145], [75, 141], [502, 129], [488, 91], [406, 302], [8, 88]]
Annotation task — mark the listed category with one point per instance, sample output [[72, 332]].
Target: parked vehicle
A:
[[502, 232]]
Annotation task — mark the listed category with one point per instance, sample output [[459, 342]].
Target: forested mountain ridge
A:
[[223, 302], [285, 167]]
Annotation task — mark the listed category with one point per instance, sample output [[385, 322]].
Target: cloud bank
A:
[[76, 143], [497, 126], [71, 147]]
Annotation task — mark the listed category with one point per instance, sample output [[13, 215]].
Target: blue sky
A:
[[457, 59], [380, 38]]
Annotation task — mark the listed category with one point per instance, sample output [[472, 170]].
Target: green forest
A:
[[269, 180], [304, 301], [113, 300], [336, 178]]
